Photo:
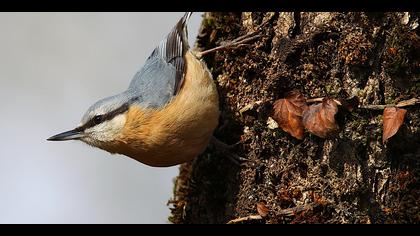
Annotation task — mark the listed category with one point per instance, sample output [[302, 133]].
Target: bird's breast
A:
[[179, 131]]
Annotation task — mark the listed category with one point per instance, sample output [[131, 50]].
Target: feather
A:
[[163, 73]]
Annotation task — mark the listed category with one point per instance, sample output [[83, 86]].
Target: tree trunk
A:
[[352, 177]]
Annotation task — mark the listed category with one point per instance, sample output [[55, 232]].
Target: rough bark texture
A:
[[350, 178]]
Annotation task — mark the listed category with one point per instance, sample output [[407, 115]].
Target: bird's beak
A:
[[68, 135]]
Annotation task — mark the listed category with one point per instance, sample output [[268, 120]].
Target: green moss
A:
[[328, 88], [209, 22]]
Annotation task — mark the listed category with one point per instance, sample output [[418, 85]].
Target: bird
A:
[[165, 117]]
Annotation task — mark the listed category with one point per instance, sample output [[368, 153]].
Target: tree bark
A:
[[352, 177]]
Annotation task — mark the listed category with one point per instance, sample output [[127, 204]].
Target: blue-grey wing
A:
[[162, 75], [154, 83]]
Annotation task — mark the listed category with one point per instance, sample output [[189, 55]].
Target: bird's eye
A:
[[97, 119]]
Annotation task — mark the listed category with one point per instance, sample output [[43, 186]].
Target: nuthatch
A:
[[166, 116]]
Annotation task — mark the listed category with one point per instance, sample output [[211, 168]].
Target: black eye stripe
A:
[[97, 119]]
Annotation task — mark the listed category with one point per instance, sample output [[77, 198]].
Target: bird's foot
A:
[[226, 150]]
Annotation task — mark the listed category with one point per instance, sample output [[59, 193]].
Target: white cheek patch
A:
[[107, 130]]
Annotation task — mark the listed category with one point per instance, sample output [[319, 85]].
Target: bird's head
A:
[[102, 123]]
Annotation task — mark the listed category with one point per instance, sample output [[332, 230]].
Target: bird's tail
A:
[[174, 47], [182, 26], [185, 18]]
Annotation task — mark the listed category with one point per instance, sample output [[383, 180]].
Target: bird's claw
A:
[[226, 150]]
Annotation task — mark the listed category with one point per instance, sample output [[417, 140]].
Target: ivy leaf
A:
[[393, 119], [262, 209], [288, 113], [319, 119]]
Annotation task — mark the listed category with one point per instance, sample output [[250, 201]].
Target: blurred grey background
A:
[[53, 66]]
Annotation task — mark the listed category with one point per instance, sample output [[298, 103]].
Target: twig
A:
[[312, 100], [409, 102], [241, 41], [246, 218], [376, 107], [405, 103], [285, 212], [238, 42], [293, 210]]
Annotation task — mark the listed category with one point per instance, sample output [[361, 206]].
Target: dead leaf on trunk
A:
[[392, 120], [288, 113], [319, 119], [262, 209]]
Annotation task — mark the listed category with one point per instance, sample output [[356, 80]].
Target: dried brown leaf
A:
[[262, 209], [288, 113], [319, 118], [392, 120]]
